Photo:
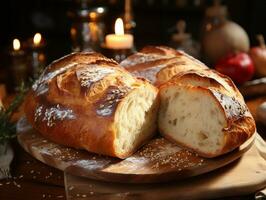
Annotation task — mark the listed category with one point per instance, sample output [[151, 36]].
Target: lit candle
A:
[[16, 45], [16, 48], [119, 40], [37, 39], [18, 65], [38, 58]]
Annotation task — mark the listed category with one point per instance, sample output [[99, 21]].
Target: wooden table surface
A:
[[33, 180]]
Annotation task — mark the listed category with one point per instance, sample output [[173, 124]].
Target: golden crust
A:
[[240, 123], [209, 77], [168, 72], [159, 63], [74, 90]]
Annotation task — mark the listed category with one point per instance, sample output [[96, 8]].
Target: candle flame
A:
[[119, 27], [37, 38], [16, 44]]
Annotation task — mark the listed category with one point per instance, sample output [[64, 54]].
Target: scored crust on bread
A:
[[209, 78], [159, 63], [87, 101], [205, 112]]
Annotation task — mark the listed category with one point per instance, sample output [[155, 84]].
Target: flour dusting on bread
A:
[[87, 101]]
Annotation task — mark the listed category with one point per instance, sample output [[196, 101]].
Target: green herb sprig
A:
[[7, 127]]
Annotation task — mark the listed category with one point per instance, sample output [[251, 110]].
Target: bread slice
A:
[[87, 101], [200, 113], [135, 120]]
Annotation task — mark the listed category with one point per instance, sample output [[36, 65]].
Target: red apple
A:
[[258, 55], [238, 66]]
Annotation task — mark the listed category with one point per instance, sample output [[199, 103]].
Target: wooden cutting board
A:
[[245, 176], [158, 161]]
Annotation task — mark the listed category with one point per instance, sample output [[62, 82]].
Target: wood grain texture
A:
[[158, 161], [244, 176], [28, 175]]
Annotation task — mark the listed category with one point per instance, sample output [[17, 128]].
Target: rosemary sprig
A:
[[8, 128]]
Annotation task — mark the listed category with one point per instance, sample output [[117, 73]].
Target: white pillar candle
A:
[[119, 40]]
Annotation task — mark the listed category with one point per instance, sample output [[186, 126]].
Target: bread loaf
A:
[[159, 63], [204, 111], [87, 101]]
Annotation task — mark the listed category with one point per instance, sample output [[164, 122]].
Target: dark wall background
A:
[[155, 19]]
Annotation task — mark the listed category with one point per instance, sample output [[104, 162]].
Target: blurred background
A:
[[61, 22]]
